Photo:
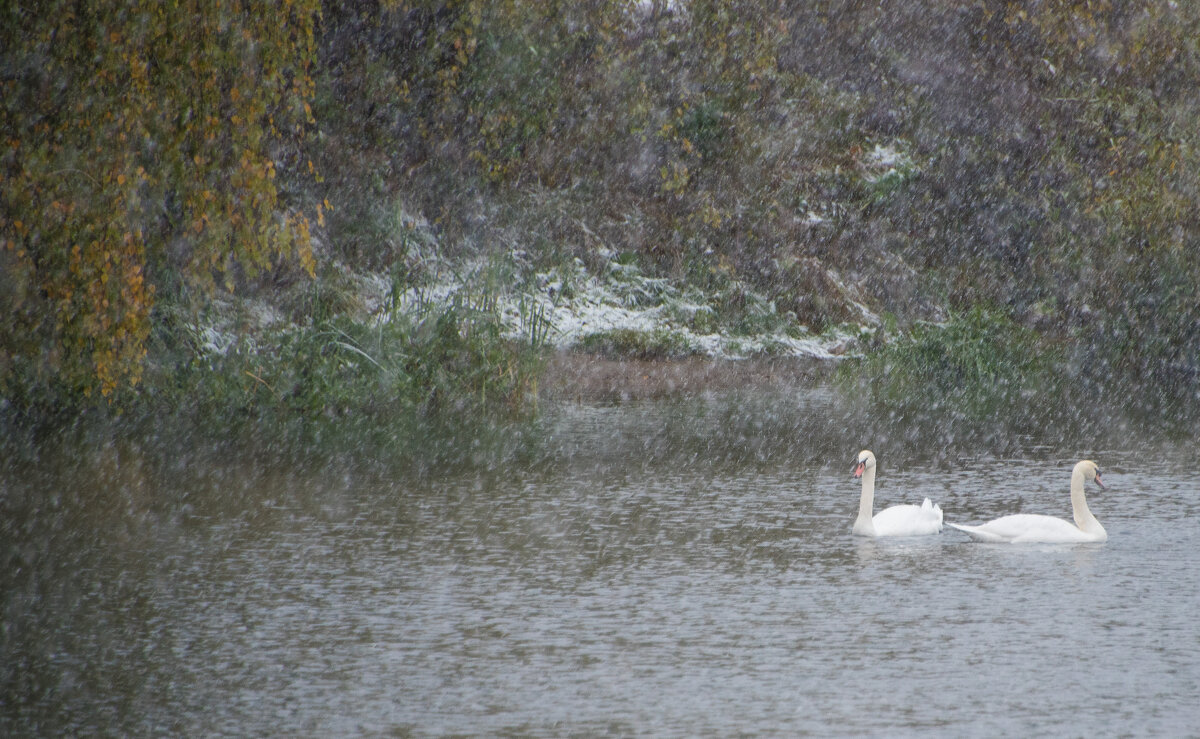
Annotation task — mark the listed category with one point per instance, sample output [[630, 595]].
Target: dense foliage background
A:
[[1036, 163], [140, 140]]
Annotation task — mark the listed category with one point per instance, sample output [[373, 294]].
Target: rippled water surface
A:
[[675, 598]]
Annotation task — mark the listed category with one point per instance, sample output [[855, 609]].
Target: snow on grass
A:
[[561, 308], [570, 304], [884, 162], [220, 334], [886, 157]]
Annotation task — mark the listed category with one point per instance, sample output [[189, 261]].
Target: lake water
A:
[[629, 583]]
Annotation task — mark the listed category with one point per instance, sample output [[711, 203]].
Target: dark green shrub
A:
[[978, 366], [625, 343]]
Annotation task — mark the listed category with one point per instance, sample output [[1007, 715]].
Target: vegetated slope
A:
[[923, 156], [778, 168]]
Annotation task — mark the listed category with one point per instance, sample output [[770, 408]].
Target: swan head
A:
[[866, 460], [1090, 471]]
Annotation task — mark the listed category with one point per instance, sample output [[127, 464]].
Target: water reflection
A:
[[701, 592]]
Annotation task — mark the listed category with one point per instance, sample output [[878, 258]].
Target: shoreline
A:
[[572, 376]]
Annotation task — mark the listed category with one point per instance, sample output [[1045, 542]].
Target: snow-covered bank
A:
[[566, 306]]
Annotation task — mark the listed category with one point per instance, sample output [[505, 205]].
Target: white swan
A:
[[1029, 527], [900, 520]]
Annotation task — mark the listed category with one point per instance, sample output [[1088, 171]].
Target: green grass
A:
[[631, 344], [434, 383], [978, 367]]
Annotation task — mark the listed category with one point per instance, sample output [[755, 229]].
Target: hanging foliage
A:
[[135, 134]]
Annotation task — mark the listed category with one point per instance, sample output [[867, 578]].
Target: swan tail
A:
[[934, 511], [975, 532]]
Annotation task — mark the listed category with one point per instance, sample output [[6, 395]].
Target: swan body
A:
[[900, 520], [1029, 527]]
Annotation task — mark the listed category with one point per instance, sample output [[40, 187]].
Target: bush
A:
[[978, 367], [624, 343], [139, 138]]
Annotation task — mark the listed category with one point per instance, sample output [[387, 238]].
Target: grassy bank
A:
[[995, 229], [982, 375]]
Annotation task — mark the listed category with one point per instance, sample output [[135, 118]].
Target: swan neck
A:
[[1079, 507], [866, 503]]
